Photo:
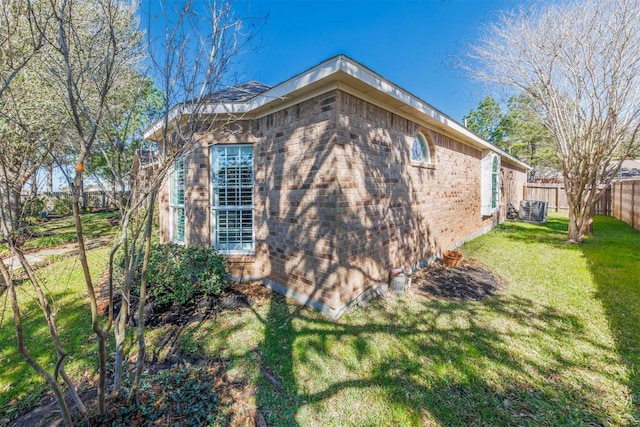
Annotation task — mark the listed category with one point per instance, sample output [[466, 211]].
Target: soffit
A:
[[345, 73]]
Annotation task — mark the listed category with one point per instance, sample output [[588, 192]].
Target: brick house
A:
[[331, 179]]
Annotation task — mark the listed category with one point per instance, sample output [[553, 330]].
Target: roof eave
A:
[[343, 68]]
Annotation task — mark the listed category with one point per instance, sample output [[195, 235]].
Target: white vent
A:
[[533, 211]]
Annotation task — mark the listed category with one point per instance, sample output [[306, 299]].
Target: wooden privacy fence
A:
[[90, 199], [556, 197], [625, 198]]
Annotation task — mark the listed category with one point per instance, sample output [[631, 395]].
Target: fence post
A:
[[633, 204], [620, 202]]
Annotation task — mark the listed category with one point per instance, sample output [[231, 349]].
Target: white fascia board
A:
[[383, 85], [283, 91], [279, 92]]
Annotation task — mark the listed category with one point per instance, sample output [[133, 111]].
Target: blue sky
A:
[[414, 43]]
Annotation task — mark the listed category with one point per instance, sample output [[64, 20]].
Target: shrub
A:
[[62, 205], [33, 207], [178, 274]]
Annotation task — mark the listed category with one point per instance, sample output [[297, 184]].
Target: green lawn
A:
[[558, 347], [59, 231], [65, 284]]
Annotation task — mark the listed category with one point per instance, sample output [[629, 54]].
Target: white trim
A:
[[486, 183], [289, 101], [425, 148], [174, 206], [213, 209], [336, 68]]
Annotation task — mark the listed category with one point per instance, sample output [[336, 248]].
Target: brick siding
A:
[[338, 202]]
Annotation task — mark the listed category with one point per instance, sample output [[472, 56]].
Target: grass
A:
[[65, 285], [60, 231], [558, 347]]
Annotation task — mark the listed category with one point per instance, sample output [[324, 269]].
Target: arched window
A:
[[420, 151]]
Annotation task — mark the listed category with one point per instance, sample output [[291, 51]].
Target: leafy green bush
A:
[[33, 207], [62, 205], [178, 274]]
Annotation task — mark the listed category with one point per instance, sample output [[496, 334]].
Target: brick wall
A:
[[295, 194], [338, 202], [395, 213], [513, 181]]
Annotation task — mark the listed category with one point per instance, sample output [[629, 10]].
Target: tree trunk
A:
[[101, 334], [580, 220], [24, 351], [34, 185], [50, 179], [143, 297], [120, 332], [11, 209], [53, 329]]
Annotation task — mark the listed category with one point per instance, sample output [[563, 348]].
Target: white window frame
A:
[[490, 183], [177, 183], [244, 247], [421, 154], [495, 183]]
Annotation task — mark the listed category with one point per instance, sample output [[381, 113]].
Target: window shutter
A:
[[176, 201], [495, 187]]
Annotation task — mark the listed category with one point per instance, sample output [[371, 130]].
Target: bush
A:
[[33, 207], [178, 274], [62, 205]]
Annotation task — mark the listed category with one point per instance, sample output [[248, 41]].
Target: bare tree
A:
[[190, 62], [97, 43], [90, 51], [578, 61]]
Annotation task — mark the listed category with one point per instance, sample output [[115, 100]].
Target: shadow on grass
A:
[[506, 360], [553, 232], [613, 258], [436, 362], [613, 255], [74, 326]]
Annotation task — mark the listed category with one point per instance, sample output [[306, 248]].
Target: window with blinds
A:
[[232, 198], [495, 171], [490, 181], [176, 202]]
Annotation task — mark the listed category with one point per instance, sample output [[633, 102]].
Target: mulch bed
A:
[[235, 296], [470, 281]]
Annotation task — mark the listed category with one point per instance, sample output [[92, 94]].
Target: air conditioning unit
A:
[[533, 211]]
